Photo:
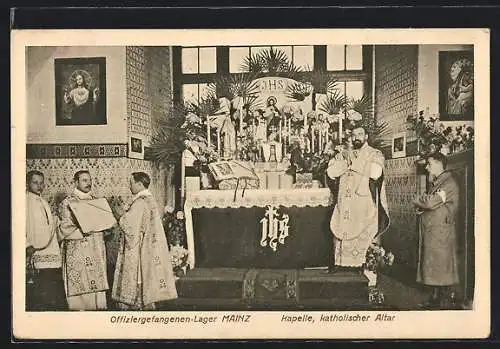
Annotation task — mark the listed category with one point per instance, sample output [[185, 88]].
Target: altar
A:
[[264, 228], [260, 205]]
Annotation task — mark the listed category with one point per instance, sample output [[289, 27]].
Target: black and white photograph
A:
[[339, 231], [399, 145]]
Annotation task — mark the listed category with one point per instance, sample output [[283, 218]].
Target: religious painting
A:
[[80, 91], [399, 145], [456, 85], [136, 147]]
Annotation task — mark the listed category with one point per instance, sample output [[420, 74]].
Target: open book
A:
[[229, 174], [93, 215], [231, 169]]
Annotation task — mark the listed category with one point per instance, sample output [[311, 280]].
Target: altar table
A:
[[224, 230]]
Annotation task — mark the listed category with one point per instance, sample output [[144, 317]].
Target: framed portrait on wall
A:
[[136, 147], [80, 91], [399, 145], [456, 85]]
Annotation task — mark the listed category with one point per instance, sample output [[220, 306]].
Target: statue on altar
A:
[[360, 212]]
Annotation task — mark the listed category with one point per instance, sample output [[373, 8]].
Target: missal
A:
[[227, 174], [93, 215]]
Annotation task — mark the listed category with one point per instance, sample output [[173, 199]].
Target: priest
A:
[[143, 274], [84, 255], [360, 213]]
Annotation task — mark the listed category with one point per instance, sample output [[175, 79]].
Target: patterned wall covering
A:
[[396, 96], [402, 185], [396, 84], [110, 176]]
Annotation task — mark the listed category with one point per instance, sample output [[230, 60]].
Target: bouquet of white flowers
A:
[[179, 257]]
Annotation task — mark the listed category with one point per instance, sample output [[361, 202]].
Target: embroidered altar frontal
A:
[[234, 238], [277, 229]]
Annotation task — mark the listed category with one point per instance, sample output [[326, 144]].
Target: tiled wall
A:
[[149, 88], [396, 96], [396, 87]]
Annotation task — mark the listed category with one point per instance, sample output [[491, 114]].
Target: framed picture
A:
[[399, 145], [136, 147], [456, 85], [80, 91]]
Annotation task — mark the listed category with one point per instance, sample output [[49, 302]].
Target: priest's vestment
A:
[[144, 273], [360, 213], [84, 260]]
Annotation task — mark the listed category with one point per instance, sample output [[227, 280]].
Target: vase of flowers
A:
[[376, 258], [435, 136], [179, 256]]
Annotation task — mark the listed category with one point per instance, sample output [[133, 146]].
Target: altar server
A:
[[143, 274], [42, 250]]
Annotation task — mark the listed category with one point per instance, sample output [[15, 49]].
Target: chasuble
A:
[[84, 259], [360, 212], [144, 273]]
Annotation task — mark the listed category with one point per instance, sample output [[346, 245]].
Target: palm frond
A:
[[237, 85], [298, 91], [364, 106], [334, 103], [274, 61], [253, 64], [322, 81]]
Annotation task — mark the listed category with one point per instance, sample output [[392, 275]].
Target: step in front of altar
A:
[[281, 286]]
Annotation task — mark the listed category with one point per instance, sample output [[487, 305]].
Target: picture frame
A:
[[80, 91], [456, 85], [136, 147], [399, 145]]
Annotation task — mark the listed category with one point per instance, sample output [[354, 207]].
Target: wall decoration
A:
[[80, 91], [456, 85], [136, 147], [75, 151], [399, 145]]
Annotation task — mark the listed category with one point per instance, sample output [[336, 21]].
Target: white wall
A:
[[41, 123], [428, 77]]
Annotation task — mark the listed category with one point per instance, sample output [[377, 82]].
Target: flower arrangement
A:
[[377, 257], [435, 136], [175, 229], [179, 259], [174, 226]]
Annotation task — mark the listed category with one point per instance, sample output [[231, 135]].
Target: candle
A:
[[241, 121], [312, 141], [279, 136], [340, 129], [218, 142], [208, 131], [305, 120], [289, 130]]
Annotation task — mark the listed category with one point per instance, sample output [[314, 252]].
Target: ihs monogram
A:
[[274, 230]]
